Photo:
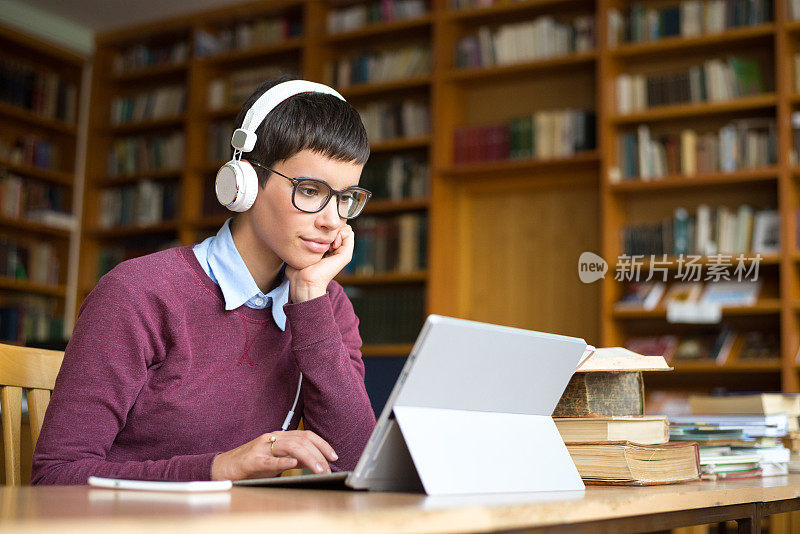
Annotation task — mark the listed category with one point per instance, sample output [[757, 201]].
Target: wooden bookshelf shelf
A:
[[483, 168], [51, 79], [34, 227], [715, 179], [143, 126], [163, 174], [295, 44], [502, 10], [528, 68], [792, 26], [794, 98], [383, 278], [46, 175], [382, 88], [375, 207], [152, 73], [381, 29], [735, 36], [660, 113], [764, 307], [132, 231], [24, 286], [15, 113], [766, 259], [397, 349], [405, 143]]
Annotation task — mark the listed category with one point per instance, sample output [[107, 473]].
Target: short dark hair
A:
[[315, 121]]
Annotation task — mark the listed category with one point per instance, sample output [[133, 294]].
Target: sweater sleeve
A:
[[104, 369], [326, 345]]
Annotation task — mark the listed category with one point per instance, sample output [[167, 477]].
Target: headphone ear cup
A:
[[237, 185]]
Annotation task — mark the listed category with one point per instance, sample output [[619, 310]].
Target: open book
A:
[[619, 359]]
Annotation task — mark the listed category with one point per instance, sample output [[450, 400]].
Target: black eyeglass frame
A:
[[296, 181]]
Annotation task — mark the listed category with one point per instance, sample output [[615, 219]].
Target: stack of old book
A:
[[601, 418], [740, 435]]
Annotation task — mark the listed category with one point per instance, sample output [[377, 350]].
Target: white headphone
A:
[[237, 183]]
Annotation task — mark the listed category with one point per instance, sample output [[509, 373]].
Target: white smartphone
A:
[[155, 485]]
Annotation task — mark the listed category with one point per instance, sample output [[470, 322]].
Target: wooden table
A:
[[281, 511]]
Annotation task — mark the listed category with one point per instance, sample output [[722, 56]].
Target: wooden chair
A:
[[34, 370]]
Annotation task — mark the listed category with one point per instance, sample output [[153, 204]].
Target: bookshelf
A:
[[505, 226], [764, 185], [39, 166]]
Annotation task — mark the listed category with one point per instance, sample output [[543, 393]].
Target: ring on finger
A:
[[272, 440]]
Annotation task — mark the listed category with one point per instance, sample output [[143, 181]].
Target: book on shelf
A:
[[30, 150], [142, 154], [395, 120], [375, 67], [644, 430], [218, 142], [683, 292], [141, 56], [731, 292], [541, 135], [235, 87], [34, 261], [109, 256], [540, 38], [23, 198], [144, 203], [246, 34], [714, 80], [760, 345], [38, 90], [659, 345], [30, 319], [388, 315], [154, 104], [396, 177], [689, 18], [721, 233], [354, 17], [717, 347], [738, 145], [641, 295], [634, 464], [389, 244]]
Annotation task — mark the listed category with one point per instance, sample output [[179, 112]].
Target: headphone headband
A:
[[244, 138]]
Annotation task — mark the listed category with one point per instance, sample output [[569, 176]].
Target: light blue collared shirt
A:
[[224, 265]]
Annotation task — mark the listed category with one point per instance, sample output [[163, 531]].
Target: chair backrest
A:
[[24, 368]]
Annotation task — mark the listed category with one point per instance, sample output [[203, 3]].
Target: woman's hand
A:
[[312, 282], [262, 458]]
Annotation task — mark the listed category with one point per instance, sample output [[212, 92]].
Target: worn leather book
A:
[[608, 382], [602, 394], [627, 463]]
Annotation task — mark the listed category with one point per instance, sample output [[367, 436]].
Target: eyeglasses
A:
[[311, 195]]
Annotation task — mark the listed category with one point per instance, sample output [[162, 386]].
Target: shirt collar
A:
[[235, 280]]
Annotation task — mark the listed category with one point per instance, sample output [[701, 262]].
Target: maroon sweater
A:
[[158, 378]]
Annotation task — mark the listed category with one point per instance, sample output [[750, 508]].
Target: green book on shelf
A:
[[747, 73]]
